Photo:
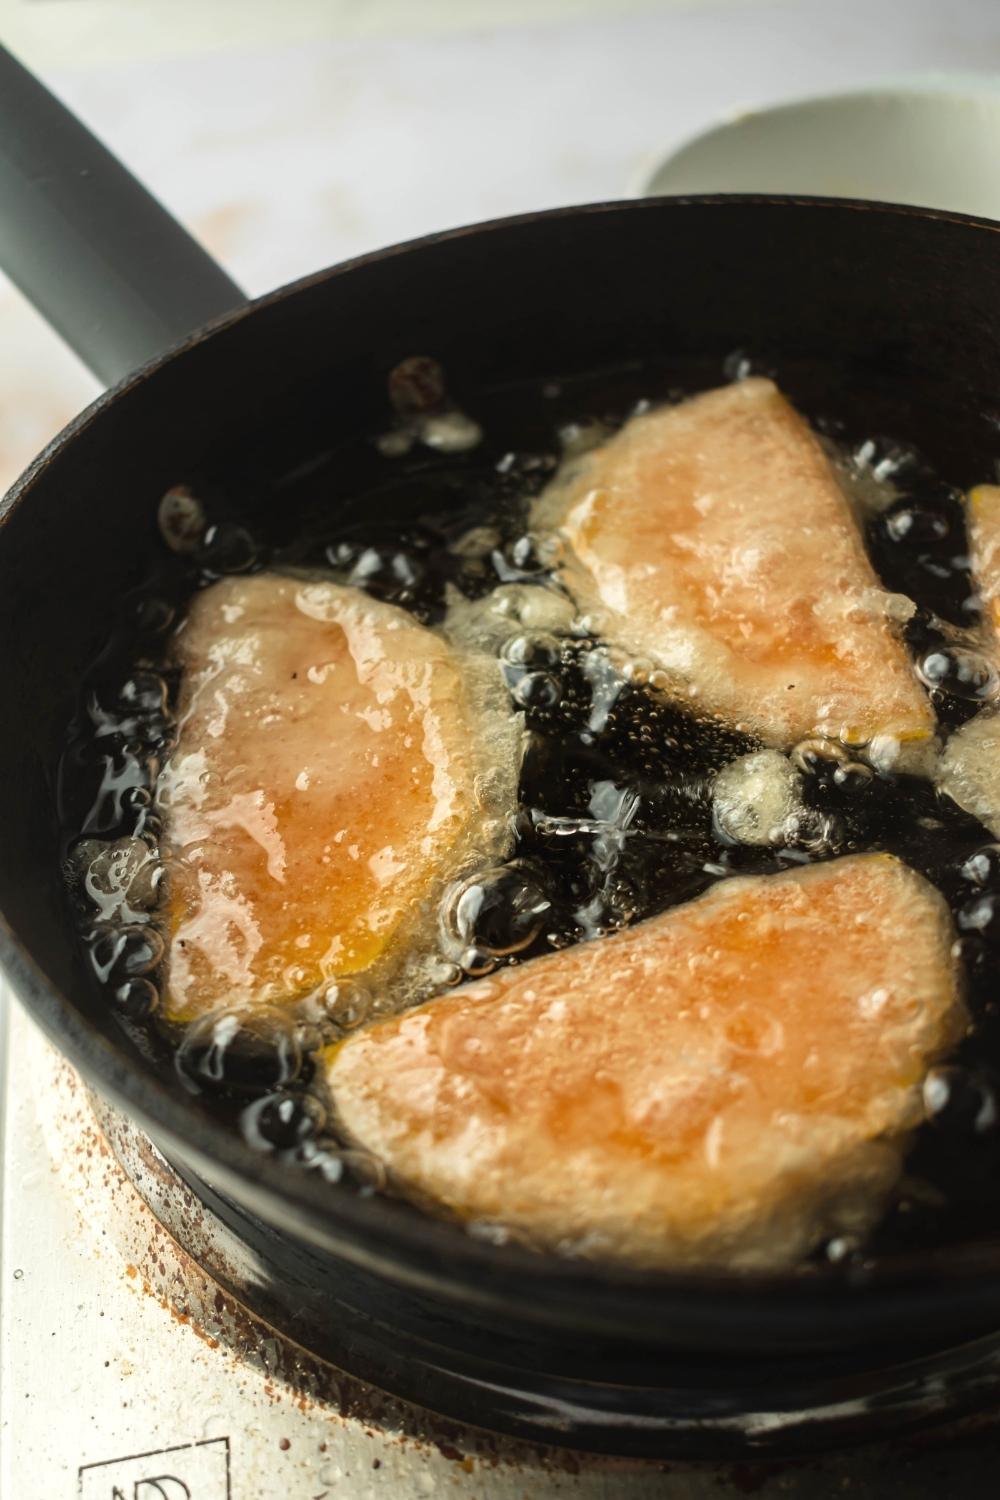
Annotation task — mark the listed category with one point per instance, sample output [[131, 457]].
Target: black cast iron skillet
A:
[[888, 314]]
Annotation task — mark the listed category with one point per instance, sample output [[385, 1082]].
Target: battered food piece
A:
[[969, 768], [715, 538], [725, 1083], [983, 521], [335, 761]]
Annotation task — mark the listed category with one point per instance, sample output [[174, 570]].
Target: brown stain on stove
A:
[[236, 1335], [156, 1265], [308, 1383], [449, 1451], [749, 1478]]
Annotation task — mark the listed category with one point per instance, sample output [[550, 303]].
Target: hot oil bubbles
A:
[[618, 813]]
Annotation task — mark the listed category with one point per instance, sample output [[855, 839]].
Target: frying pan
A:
[[889, 315]]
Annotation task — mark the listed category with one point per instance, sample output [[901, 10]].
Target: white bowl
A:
[[934, 144]]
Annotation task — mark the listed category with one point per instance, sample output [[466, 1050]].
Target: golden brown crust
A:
[[721, 1084], [336, 760], [715, 538]]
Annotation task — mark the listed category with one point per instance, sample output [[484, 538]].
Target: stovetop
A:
[[126, 1374]]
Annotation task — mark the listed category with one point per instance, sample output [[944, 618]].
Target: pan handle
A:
[[101, 260]]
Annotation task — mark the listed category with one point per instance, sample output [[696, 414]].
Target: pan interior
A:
[[883, 320]]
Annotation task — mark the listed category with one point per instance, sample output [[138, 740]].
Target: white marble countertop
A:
[[288, 138]]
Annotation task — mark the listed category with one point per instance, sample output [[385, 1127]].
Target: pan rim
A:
[[415, 1248]]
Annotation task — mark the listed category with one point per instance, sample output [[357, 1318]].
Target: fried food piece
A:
[[969, 768], [983, 522], [715, 538], [757, 799], [335, 761], [722, 1084]]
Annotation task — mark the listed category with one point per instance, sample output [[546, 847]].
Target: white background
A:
[[289, 135]]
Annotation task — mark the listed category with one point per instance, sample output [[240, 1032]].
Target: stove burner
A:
[[600, 1397]]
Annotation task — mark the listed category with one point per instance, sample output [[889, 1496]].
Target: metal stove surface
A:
[[127, 1374]]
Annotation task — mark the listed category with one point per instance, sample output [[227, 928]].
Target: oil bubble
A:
[[915, 524], [820, 833], [958, 1098], [494, 913], [476, 961], [122, 953], [392, 575], [281, 1121], [137, 999], [239, 1051], [181, 519], [491, 790], [960, 673], [983, 867], [580, 438], [883, 459], [227, 548], [137, 798], [841, 1248], [120, 876], [982, 915], [347, 1003], [489, 622], [638, 669], [854, 776], [144, 693], [532, 651], [526, 553], [321, 1156], [740, 365], [366, 1169], [153, 616], [110, 779], [536, 690], [309, 1037], [819, 757], [526, 559]]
